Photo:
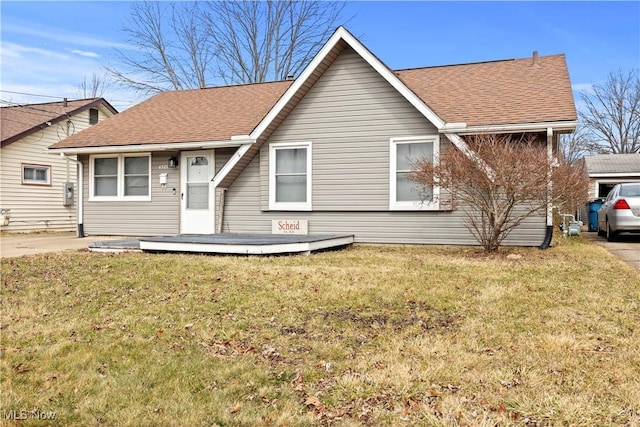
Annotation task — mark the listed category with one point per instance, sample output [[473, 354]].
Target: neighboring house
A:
[[607, 170], [330, 149], [33, 180]]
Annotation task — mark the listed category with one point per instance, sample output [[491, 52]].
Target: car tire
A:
[[612, 236]]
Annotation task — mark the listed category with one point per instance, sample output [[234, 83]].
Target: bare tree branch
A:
[[93, 89], [495, 204], [613, 112], [268, 40], [191, 44]]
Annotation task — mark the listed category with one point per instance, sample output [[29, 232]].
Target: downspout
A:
[[80, 198], [549, 233]]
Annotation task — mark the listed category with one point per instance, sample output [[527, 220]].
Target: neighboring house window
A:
[[122, 177], [290, 176], [406, 194], [93, 116], [36, 174]]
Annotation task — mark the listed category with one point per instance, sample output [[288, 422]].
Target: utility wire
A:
[[61, 97]]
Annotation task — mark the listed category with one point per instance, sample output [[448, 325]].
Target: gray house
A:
[[328, 152]]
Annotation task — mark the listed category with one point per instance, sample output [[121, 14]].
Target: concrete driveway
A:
[[14, 245], [627, 248]]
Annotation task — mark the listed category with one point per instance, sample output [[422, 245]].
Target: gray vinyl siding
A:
[[160, 216], [350, 115]]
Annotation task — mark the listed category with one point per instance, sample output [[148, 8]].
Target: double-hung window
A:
[[120, 177], [404, 154], [36, 174], [290, 176]]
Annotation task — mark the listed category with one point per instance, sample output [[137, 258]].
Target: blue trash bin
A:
[[594, 207]]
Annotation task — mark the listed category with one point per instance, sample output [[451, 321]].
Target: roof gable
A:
[[20, 121], [323, 59]]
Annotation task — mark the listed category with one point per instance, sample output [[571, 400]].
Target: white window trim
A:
[[120, 179], [24, 181], [273, 205], [393, 153]]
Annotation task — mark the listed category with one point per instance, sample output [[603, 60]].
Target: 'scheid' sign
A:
[[289, 226]]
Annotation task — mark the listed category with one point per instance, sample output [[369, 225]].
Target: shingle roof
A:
[[499, 92], [613, 163], [195, 115], [21, 120], [490, 93]]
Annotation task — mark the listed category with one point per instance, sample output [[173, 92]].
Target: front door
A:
[[197, 194]]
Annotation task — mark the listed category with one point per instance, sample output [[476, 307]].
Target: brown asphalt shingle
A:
[[19, 121], [489, 93], [197, 115], [499, 92]]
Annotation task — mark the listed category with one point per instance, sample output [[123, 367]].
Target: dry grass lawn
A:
[[365, 336]]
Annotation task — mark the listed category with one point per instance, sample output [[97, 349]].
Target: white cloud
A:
[[59, 35], [14, 50], [84, 53]]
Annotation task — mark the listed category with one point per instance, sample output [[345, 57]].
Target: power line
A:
[[31, 94], [62, 97]]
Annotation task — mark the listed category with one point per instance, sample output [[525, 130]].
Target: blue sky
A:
[[49, 47]]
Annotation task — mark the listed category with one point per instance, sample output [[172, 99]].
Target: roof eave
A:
[[172, 146]]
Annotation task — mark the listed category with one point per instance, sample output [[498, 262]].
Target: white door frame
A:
[[197, 221]]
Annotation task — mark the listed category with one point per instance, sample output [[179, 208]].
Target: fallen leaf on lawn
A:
[[313, 401], [236, 408]]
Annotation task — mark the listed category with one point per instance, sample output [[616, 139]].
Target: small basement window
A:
[[36, 174]]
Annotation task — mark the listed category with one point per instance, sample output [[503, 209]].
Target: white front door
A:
[[197, 194]]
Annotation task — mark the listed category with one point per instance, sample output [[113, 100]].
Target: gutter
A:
[[462, 128], [80, 198], [173, 146]]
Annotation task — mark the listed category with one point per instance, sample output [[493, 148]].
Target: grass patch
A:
[[365, 336]]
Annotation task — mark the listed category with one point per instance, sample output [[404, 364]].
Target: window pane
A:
[[408, 154], [136, 185], [41, 174], [29, 174], [630, 190], [291, 160], [291, 189], [106, 186], [35, 175], [106, 166], [136, 165], [410, 191], [197, 169], [198, 196]]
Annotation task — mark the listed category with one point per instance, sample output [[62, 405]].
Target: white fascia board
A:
[[172, 146], [231, 163], [508, 128], [615, 175]]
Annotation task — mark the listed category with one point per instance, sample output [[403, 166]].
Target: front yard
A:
[[365, 336]]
